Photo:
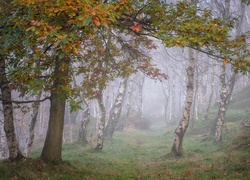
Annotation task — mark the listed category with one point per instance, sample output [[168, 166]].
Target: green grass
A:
[[134, 154], [144, 155]]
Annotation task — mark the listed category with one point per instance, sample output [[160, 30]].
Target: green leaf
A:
[[88, 21]]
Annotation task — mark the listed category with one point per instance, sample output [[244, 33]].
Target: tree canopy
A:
[[33, 32]]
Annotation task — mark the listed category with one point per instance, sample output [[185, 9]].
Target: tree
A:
[[116, 110], [129, 88], [61, 33], [14, 151], [32, 124], [177, 149], [84, 123], [226, 87]]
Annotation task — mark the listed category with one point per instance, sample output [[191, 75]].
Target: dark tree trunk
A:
[[9, 128], [52, 150]]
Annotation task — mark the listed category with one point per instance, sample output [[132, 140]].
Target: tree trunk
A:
[[82, 136], [177, 149], [52, 150], [115, 110], [121, 124], [140, 87], [101, 125], [223, 105], [33, 121], [226, 93], [13, 146], [210, 97], [3, 143]]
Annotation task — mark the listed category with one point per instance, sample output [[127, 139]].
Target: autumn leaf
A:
[[96, 20], [225, 62], [135, 27]]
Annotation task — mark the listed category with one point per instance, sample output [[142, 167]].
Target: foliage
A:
[[104, 39]]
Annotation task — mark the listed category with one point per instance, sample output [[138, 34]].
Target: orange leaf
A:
[[96, 21], [135, 27], [225, 62]]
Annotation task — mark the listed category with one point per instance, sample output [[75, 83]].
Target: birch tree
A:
[[226, 87], [116, 110], [101, 124], [32, 124], [82, 136], [122, 122], [177, 149], [13, 146]]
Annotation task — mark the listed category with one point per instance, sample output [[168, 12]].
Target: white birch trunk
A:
[[101, 125], [32, 124], [177, 149], [226, 92], [84, 123], [116, 110], [9, 128], [3, 142], [122, 122]]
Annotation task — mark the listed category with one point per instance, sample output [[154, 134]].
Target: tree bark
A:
[[177, 149], [101, 125], [9, 128], [52, 150], [82, 136], [140, 87], [210, 97], [115, 110], [226, 92], [32, 124], [3, 143]]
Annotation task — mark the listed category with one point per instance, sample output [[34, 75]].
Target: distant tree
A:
[[129, 89], [115, 111], [82, 136], [227, 86], [32, 124]]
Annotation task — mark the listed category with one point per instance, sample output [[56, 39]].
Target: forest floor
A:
[[137, 154], [145, 154]]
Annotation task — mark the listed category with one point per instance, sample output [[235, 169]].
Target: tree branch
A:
[[29, 101]]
